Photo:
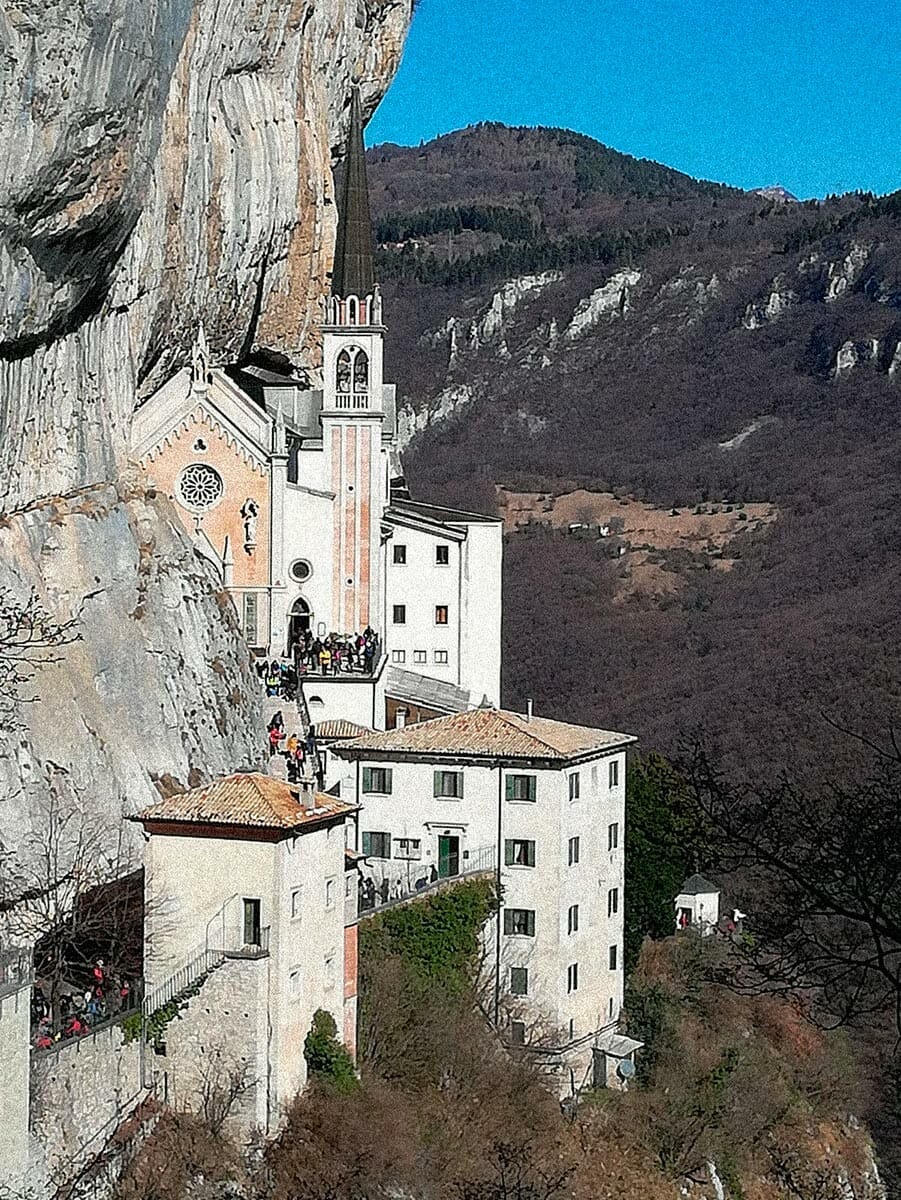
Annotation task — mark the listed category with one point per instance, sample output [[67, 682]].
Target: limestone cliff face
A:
[[164, 162]]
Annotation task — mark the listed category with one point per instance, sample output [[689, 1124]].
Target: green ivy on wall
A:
[[154, 1025], [437, 936]]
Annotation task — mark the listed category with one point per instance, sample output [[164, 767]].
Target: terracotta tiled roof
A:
[[492, 732], [329, 730], [260, 801]]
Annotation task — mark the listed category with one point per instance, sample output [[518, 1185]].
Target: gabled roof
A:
[[697, 885], [489, 732], [246, 801], [339, 728]]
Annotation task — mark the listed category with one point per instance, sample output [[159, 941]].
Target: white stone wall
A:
[[308, 535], [350, 698], [191, 880], [307, 950], [220, 1037], [480, 611], [419, 585], [80, 1092], [15, 1054]]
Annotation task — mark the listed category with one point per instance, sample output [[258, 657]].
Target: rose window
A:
[[200, 487]]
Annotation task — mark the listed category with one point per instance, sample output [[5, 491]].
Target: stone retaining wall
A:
[[80, 1091]]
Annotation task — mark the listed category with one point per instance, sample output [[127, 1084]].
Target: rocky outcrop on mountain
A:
[[164, 161]]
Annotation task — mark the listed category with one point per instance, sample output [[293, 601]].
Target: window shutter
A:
[[509, 786], [437, 782], [388, 777], [459, 782], [508, 853], [530, 787], [367, 779]]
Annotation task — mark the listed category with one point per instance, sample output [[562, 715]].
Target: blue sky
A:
[[806, 93]]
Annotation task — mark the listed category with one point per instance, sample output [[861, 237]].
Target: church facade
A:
[[294, 494]]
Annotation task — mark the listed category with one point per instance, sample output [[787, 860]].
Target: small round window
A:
[[301, 570], [199, 487]]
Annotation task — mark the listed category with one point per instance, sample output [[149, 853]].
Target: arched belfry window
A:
[[352, 370]]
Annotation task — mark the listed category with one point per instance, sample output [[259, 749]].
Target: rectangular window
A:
[[295, 904], [520, 787], [572, 977], [519, 853], [377, 845], [441, 656], [517, 1032], [399, 614], [440, 614], [519, 921], [613, 836], [420, 656], [573, 853], [614, 773], [294, 978], [442, 555], [519, 981], [613, 902], [329, 971], [377, 780], [400, 554], [398, 656], [448, 785], [574, 785], [249, 617], [572, 920], [329, 893], [407, 848], [612, 958]]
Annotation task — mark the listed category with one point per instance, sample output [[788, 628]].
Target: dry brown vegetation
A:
[[743, 1082]]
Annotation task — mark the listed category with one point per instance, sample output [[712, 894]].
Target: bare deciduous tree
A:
[[819, 873], [29, 638], [73, 890]]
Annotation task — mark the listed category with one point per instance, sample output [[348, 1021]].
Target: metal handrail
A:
[[195, 968], [479, 862], [16, 970]]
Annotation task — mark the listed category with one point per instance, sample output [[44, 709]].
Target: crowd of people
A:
[[298, 750], [372, 895], [337, 654], [79, 1012]]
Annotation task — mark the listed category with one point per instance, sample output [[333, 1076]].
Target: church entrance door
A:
[[299, 624]]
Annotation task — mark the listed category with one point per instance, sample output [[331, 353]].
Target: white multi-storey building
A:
[[543, 804]]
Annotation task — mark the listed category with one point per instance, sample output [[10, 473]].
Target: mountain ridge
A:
[[688, 350]]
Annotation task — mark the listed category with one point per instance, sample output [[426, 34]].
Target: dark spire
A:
[[353, 273]]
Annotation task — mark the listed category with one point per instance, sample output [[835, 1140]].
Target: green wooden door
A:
[[448, 856]]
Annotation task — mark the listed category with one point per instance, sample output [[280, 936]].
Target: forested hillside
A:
[[562, 316]]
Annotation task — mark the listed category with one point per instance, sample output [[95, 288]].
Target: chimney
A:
[[529, 710], [400, 718], [306, 792]]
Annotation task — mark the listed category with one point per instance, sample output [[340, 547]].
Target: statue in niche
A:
[[250, 512], [200, 361]]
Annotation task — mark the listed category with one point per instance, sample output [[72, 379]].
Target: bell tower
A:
[[352, 402]]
